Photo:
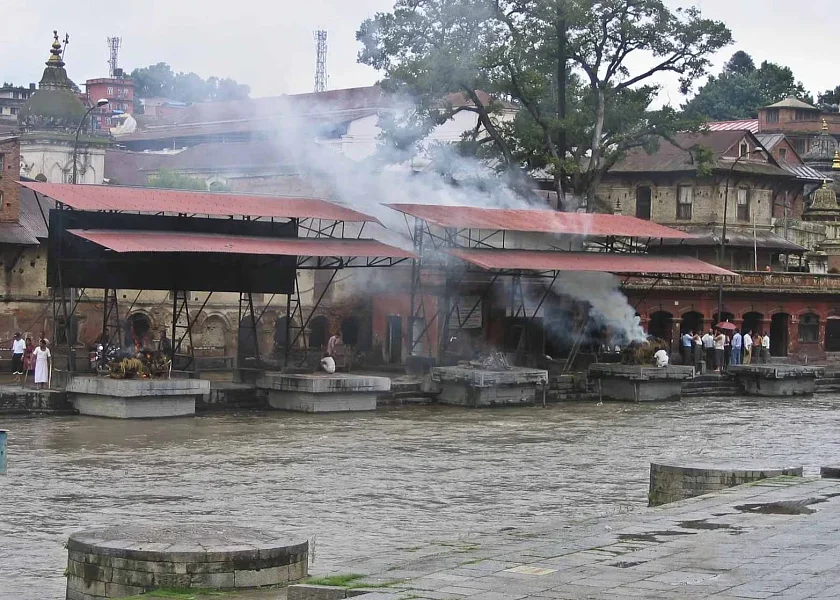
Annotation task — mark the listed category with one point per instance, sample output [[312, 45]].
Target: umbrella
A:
[[726, 325]]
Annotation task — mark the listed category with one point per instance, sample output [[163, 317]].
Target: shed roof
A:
[[155, 200], [123, 241], [538, 221], [542, 260]]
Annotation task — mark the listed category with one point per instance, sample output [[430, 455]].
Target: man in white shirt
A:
[[709, 348], [765, 348], [18, 348], [661, 358], [328, 364], [748, 344]]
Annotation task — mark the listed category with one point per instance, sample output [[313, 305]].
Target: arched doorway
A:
[[779, 334], [246, 338], [753, 321], [136, 331], [724, 316], [319, 328], [661, 325], [832, 334], [643, 202], [691, 321], [350, 331]]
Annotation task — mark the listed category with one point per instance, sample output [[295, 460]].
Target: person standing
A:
[[709, 348], [698, 350], [28, 362], [748, 344], [333, 343], [737, 340], [686, 341], [18, 348], [42, 357], [720, 342], [765, 348]]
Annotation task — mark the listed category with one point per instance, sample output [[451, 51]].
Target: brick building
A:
[[119, 91], [767, 182]]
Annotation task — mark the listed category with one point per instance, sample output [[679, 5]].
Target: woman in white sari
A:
[[41, 356]]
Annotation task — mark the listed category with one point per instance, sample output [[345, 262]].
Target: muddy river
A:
[[362, 484]]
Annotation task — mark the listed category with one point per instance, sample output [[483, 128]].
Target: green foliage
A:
[[173, 180], [160, 81], [514, 50], [829, 99], [741, 89]]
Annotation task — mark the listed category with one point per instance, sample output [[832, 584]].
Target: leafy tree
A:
[[741, 89], [173, 180], [567, 67], [160, 81], [829, 99]]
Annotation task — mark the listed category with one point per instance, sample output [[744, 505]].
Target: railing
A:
[[759, 281]]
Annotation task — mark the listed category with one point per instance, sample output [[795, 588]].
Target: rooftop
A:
[[155, 200], [792, 102], [538, 221]]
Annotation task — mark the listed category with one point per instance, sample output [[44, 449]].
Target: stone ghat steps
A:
[[828, 384], [709, 385]]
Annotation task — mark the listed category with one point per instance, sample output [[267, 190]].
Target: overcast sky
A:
[[268, 44]]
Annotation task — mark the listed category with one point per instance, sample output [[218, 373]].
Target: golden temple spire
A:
[[835, 164], [55, 59], [824, 126]]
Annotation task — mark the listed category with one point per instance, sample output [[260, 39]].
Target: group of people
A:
[[720, 349], [27, 358]]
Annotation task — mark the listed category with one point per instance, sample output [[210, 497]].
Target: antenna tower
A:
[[113, 54], [321, 61]]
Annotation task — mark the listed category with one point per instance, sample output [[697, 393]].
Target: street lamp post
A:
[[723, 236], [99, 103]]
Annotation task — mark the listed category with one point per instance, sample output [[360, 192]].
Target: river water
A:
[[367, 483]]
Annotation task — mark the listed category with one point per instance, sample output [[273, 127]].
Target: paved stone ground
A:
[[778, 538]]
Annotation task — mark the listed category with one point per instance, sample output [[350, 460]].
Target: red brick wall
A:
[[10, 191]]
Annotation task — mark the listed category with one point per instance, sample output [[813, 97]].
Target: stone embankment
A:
[[775, 538]]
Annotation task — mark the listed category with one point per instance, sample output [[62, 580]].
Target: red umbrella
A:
[[726, 325]]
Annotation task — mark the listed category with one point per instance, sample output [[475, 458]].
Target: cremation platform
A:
[[467, 386], [776, 380], [637, 383], [135, 398], [321, 392]]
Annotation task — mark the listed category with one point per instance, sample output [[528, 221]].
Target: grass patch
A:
[[375, 586], [343, 580]]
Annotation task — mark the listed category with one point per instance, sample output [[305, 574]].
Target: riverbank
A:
[[777, 538], [387, 484]]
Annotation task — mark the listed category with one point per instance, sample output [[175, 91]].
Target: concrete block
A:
[[315, 592], [212, 580], [321, 402], [298, 571], [261, 578], [322, 383]]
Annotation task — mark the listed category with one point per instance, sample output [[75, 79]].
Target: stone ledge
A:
[[130, 388], [323, 383], [515, 376]]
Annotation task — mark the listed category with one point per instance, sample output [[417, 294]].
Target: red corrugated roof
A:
[[543, 221], [176, 241], [750, 125], [543, 260], [154, 200]]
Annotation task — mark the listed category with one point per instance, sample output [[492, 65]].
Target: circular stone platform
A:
[[125, 561], [671, 482]]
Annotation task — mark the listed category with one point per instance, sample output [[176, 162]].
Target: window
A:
[[799, 145], [744, 149], [110, 91], [743, 204], [685, 198], [804, 115], [809, 328], [773, 115], [783, 154], [2, 162]]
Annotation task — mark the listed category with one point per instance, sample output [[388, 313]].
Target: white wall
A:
[[55, 161]]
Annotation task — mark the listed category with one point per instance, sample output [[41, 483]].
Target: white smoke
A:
[[368, 185]]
